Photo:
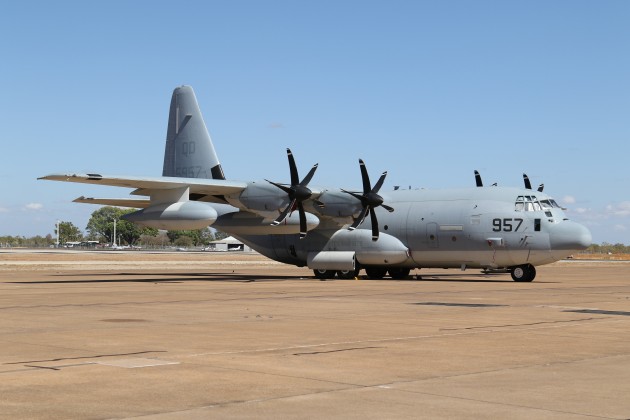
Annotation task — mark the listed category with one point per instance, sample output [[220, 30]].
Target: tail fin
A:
[[189, 151]]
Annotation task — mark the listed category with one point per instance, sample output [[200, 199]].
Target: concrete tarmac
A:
[[99, 335]]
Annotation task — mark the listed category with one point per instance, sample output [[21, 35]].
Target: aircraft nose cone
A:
[[570, 236]]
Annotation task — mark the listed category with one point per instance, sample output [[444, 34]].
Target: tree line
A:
[[100, 228]]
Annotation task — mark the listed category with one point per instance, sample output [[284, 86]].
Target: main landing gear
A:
[[524, 273], [372, 273], [396, 273], [330, 274]]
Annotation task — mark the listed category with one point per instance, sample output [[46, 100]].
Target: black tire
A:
[[399, 273], [523, 273], [347, 274], [376, 272], [324, 274]]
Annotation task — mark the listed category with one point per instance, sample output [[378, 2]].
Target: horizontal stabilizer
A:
[[197, 185]]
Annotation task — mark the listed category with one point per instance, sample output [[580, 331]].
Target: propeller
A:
[[528, 184], [478, 179], [297, 191], [369, 200]]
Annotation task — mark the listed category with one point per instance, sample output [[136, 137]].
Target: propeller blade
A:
[[302, 220], [379, 183], [281, 186], [478, 179], [541, 187], [309, 176], [355, 195], [284, 213], [374, 225], [360, 219], [528, 185], [364, 177], [295, 179], [388, 208]]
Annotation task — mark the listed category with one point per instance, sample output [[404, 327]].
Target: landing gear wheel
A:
[[523, 273], [399, 273], [376, 272], [347, 274], [324, 274]]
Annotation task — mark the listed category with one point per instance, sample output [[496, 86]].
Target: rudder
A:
[[189, 151]]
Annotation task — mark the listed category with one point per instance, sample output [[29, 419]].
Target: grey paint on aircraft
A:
[[480, 227], [189, 150]]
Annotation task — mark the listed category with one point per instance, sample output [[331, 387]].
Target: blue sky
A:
[[428, 90]]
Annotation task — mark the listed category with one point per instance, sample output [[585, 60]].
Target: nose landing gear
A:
[[523, 273]]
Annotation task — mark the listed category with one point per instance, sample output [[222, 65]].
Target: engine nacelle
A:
[[260, 196], [338, 204], [242, 223], [185, 215]]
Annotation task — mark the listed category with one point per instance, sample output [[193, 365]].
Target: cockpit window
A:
[[550, 204], [527, 203]]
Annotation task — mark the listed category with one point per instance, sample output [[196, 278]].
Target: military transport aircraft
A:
[[328, 229]]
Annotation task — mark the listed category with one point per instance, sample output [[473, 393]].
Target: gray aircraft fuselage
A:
[[335, 231], [455, 228]]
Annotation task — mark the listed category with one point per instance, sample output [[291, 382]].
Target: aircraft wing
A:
[[117, 202], [143, 185]]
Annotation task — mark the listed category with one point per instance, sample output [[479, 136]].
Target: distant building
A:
[[227, 244]]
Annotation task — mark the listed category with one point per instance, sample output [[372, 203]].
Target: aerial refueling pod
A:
[[184, 215]]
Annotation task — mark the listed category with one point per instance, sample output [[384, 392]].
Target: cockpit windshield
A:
[[529, 203], [550, 204]]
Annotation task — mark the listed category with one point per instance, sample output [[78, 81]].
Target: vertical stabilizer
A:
[[189, 151]]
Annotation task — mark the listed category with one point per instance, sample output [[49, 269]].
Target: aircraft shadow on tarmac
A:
[[248, 278]]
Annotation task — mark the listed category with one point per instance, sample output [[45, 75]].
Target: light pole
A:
[[114, 237]]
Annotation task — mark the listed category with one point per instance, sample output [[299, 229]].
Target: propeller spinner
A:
[[369, 200], [297, 191]]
